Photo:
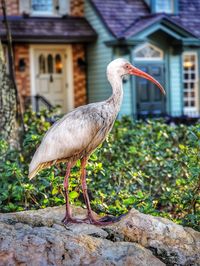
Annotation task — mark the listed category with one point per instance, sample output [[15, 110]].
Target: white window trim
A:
[[192, 111], [148, 58]]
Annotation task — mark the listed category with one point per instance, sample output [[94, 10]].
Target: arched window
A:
[[50, 63], [42, 66], [58, 64], [148, 52]]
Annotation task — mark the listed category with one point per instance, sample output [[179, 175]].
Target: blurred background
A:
[[62, 47]]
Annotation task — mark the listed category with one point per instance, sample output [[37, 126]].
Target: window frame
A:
[[172, 10], [140, 47], [191, 110], [44, 14]]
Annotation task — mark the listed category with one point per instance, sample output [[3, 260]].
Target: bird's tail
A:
[[35, 171], [41, 166]]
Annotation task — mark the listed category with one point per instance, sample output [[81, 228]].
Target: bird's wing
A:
[[69, 136]]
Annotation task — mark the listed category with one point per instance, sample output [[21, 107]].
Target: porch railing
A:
[[38, 102]]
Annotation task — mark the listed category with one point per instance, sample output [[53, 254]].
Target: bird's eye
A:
[[127, 66]]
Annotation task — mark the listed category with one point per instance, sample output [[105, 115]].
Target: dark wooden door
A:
[[150, 101]]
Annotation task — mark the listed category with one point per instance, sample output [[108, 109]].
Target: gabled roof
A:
[[147, 21], [189, 16], [124, 18], [121, 14], [63, 30]]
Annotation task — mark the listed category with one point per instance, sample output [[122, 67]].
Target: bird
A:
[[79, 133]]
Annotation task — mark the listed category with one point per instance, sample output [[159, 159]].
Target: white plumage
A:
[[80, 132]]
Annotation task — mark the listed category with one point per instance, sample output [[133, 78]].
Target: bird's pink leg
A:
[[66, 187], [90, 217], [68, 215]]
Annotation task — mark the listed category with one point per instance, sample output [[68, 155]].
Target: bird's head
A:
[[122, 67]]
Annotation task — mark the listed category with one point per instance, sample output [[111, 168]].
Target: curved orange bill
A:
[[137, 72]]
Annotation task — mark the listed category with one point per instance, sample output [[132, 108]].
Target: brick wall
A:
[[79, 75], [21, 51], [77, 7], [12, 7]]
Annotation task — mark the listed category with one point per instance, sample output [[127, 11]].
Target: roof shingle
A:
[[69, 29], [126, 17]]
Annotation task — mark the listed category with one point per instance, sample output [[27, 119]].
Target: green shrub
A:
[[149, 165]]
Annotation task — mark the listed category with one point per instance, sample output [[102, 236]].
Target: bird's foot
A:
[[69, 220], [90, 219], [106, 220]]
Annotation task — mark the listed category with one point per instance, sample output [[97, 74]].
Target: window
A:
[[44, 7], [190, 83], [148, 52], [164, 6], [50, 64], [58, 64], [42, 67]]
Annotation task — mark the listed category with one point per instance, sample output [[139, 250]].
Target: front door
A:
[[50, 76], [150, 101]]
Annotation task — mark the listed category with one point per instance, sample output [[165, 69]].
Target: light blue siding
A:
[[126, 107], [175, 84], [98, 56]]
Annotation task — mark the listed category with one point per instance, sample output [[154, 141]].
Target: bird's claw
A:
[[106, 220], [70, 220]]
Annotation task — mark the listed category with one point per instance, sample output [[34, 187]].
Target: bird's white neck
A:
[[117, 91]]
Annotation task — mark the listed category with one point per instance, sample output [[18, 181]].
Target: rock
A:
[[172, 243], [38, 238]]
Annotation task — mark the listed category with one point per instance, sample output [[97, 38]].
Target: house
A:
[[159, 37], [62, 48], [49, 44]]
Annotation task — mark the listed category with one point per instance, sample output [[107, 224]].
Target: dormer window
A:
[[166, 6], [42, 7]]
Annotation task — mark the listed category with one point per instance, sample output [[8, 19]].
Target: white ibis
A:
[[80, 132]]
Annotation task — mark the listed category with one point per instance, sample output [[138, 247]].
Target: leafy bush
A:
[[149, 165]]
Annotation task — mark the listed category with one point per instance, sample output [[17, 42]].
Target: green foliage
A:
[[149, 165]]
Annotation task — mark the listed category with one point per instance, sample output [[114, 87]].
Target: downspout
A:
[[133, 89], [181, 83], [86, 74]]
